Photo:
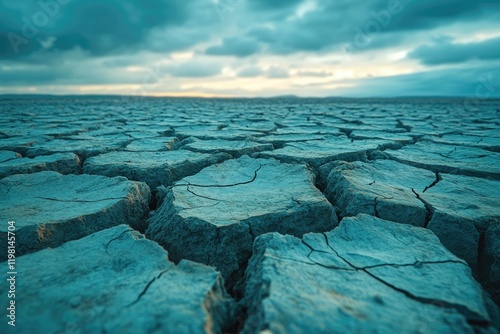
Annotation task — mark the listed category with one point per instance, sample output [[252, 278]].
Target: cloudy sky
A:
[[251, 47]]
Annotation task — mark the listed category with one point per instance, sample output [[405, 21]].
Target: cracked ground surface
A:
[[356, 278], [410, 195], [214, 216], [94, 281], [254, 216]]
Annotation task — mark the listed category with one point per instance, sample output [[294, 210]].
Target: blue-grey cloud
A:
[[68, 74], [101, 27], [475, 82], [276, 72], [250, 72], [234, 46], [95, 26], [360, 25], [430, 13], [275, 4], [43, 42], [192, 69], [91, 73], [447, 52]]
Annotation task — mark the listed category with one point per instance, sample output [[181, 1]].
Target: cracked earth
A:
[[252, 216]]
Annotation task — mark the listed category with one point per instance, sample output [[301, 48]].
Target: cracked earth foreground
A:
[[252, 216]]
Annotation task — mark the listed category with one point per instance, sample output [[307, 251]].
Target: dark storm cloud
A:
[[364, 25], [95, 26], [447, 52], [86, 42], [101, 27], [431, 13]]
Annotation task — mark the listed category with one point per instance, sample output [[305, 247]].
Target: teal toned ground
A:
[[280, 215]]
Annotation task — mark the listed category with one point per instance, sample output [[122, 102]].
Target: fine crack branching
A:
[[436, 181], [290, 259], [116, 238], [80, 201], [414, 264], [206, 197], [11, 159], [447, 155], [398, 145], [220, 185], [440, 303], [320, 264], [198, 207], [308, 246], [436, 302], [143, 292]]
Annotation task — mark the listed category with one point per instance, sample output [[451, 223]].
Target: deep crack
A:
[[428, 208], [375, 207], [401, 125]]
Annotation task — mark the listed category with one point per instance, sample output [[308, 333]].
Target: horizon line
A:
[[222, 97]]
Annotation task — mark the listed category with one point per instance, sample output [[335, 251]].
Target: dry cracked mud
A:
[[254, 216], [116, 281], [359, 278], [214, 216]]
